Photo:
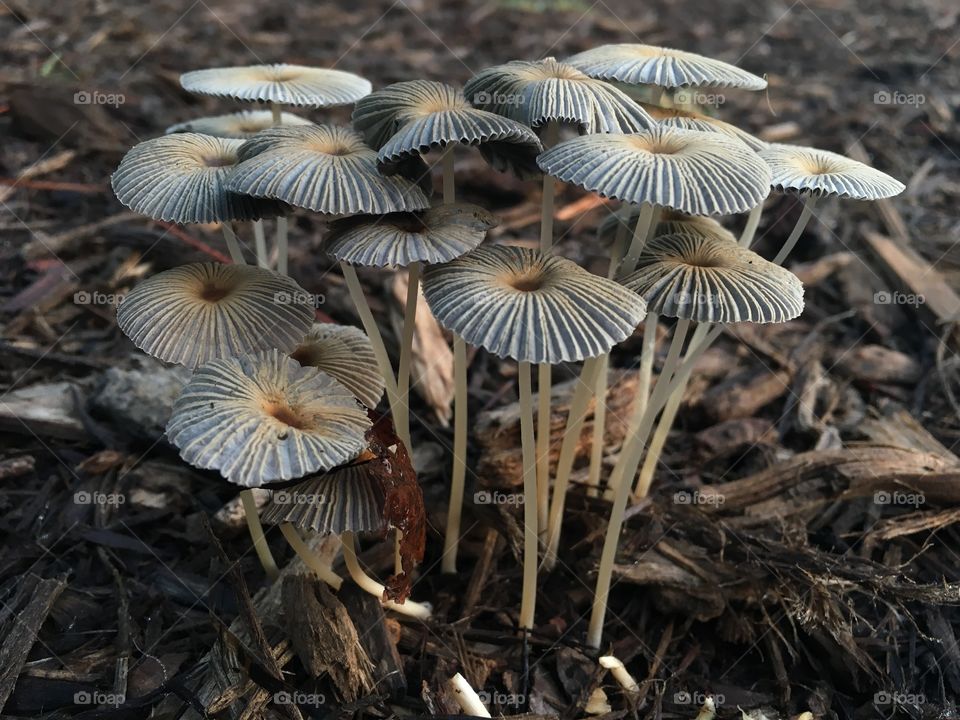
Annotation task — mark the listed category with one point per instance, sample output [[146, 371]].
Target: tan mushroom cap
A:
[[522, 304], [437, 235], [239, 125], [345, 354], [279, 83], [694, 172], [686, 120], [638, 64], [263, 418], [195, 313], [820, 172], [182, 178], [706, 279], [668, 223], [322, 168], [417, 116], [346, 499], [542, 91]]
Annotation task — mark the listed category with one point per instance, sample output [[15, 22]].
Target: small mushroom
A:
[[687, 120], [239, 125], [345, 354], [199, 312]]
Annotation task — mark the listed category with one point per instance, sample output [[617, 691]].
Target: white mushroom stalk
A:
[[309, 558], [467, 698], [252, 515], [420, 611], [620, 673]]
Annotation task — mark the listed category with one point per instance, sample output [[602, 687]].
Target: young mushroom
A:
[[695, 279], [346, 354], [182, 178], [533, 308], [238, 126]]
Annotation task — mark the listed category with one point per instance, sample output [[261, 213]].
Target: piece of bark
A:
[[46, 409], [878, 364], [498, 431], [744, 394], [22, 632], [324, 637], [368, 617]]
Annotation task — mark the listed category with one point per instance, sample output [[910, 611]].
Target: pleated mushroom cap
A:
[[239, 125], [182, 178], [685, 120], [322, 168], [437, 235], [637, 64], [262, 418], [538, 92], [706, 279], [195, 313], [820, 172], [345, 354], [669, 222], [346, 499], [417, 116], [519, 303], [279, 83], [694, 172]]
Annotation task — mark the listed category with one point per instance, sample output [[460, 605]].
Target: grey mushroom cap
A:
[[820, 172], [346, 354], [279, 83], [239, 125]]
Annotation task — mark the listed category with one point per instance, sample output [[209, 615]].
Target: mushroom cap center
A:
[[216, 161], [663, 145], [213, 292], [281, 411], [529, 280]]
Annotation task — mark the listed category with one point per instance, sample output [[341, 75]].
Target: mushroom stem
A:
[[414, 270], [303, 551], [550, 134], [446, 164], [528, 449], [600, 408], [260, 242], [451, 540], [276, 109], [233, 245], [467, 698], [750, 229], [256, 534], [397, 407], [644, 228], [808, 204], [620, 673], [421, 611], [282, 245], [629, 460], [571, 437]]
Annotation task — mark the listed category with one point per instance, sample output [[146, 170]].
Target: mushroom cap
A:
[[694, 172], [182, 178], [707, 279], [522, 304], [437, 235], [239, 125], [686, 120], [195, 313], [538, 92], [346, 499], [638, 64], [668, 222], [813, 171], [322, 168], [419, 115], [345, 354], [263, 417], [279, 83]]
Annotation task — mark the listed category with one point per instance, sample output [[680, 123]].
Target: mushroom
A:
[[238, 126], [182, 178], [196, 313], [813, 173], [687, 120], [370, 494], [346, 354], [661, 167], [695, 279], [534, 308]]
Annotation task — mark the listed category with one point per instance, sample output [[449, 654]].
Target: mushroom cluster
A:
[[282, 402]]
